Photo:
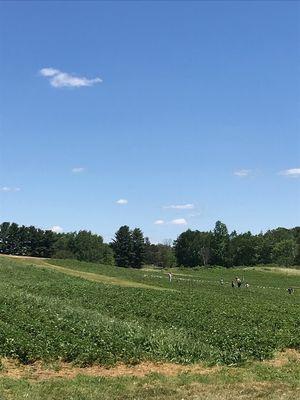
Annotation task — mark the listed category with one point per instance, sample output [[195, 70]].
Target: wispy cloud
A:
[[9, 189], [291, 173], [179, 221], [57, 229], [181, 206], [59, 79], [122, 201], [195, 215], [242, 173], [77, 170]]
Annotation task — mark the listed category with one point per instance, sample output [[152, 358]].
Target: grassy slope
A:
[[48, 313], [199, 320], [90, 272]]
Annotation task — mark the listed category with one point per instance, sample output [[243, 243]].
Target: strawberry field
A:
[[46, 314]]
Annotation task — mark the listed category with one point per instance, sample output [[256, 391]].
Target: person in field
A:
[[290, 290], [238, 281], [232, 284], [170, 276]]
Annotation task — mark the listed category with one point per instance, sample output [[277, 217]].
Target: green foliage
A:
[[22, 240], [64, 245], [108, 255], [129, 247], [281, 246], [194, 248], [220, 247], [122, 247], [284, 252], [161, 255], [243, 250], [48, 315], [30, 241], [83, 246], [138, 248], [188, 249], [88, 246], [165, 256]]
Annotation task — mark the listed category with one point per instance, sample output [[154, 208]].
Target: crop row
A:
[[47, 315]]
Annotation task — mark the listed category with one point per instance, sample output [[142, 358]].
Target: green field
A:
[[87, 314]]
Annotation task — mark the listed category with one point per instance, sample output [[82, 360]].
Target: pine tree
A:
[[122, 247], [138, 248]]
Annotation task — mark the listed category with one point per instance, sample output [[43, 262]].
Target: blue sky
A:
[[196, 117]]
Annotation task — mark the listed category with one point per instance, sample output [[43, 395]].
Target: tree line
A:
[[219, 247], [32, 241], [130, 248]]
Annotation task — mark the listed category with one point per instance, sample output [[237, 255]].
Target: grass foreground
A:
[[276, 379]]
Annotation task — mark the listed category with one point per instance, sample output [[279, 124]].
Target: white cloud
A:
[[181, 206], [194, 215], [292, 173], [58, 78], [49, 71], [159, 222], [9, 189], [57, 229], [179, 221], [77, 170], [122, 201], [242, 173]]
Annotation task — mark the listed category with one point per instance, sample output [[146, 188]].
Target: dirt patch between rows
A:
[[40, 371], [284, 358]]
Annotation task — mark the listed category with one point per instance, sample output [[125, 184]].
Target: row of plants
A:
[[48, 315]]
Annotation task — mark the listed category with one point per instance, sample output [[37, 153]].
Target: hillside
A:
[[55, 311]]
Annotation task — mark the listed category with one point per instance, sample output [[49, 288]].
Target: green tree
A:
[[264, 249], [13, 239], [25, 239], [148, 251], [4, 229], [205, 242], [108, 255], [296, 234], [47, 240], [122, 247], [165, 256], [221, 244], [88, 246], [64, 245], [243, 250], [284, 252], [185, 251], [84, 246], [137, 248], [193, 248]]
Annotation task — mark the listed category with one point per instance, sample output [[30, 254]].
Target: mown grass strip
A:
[[88, 275]]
